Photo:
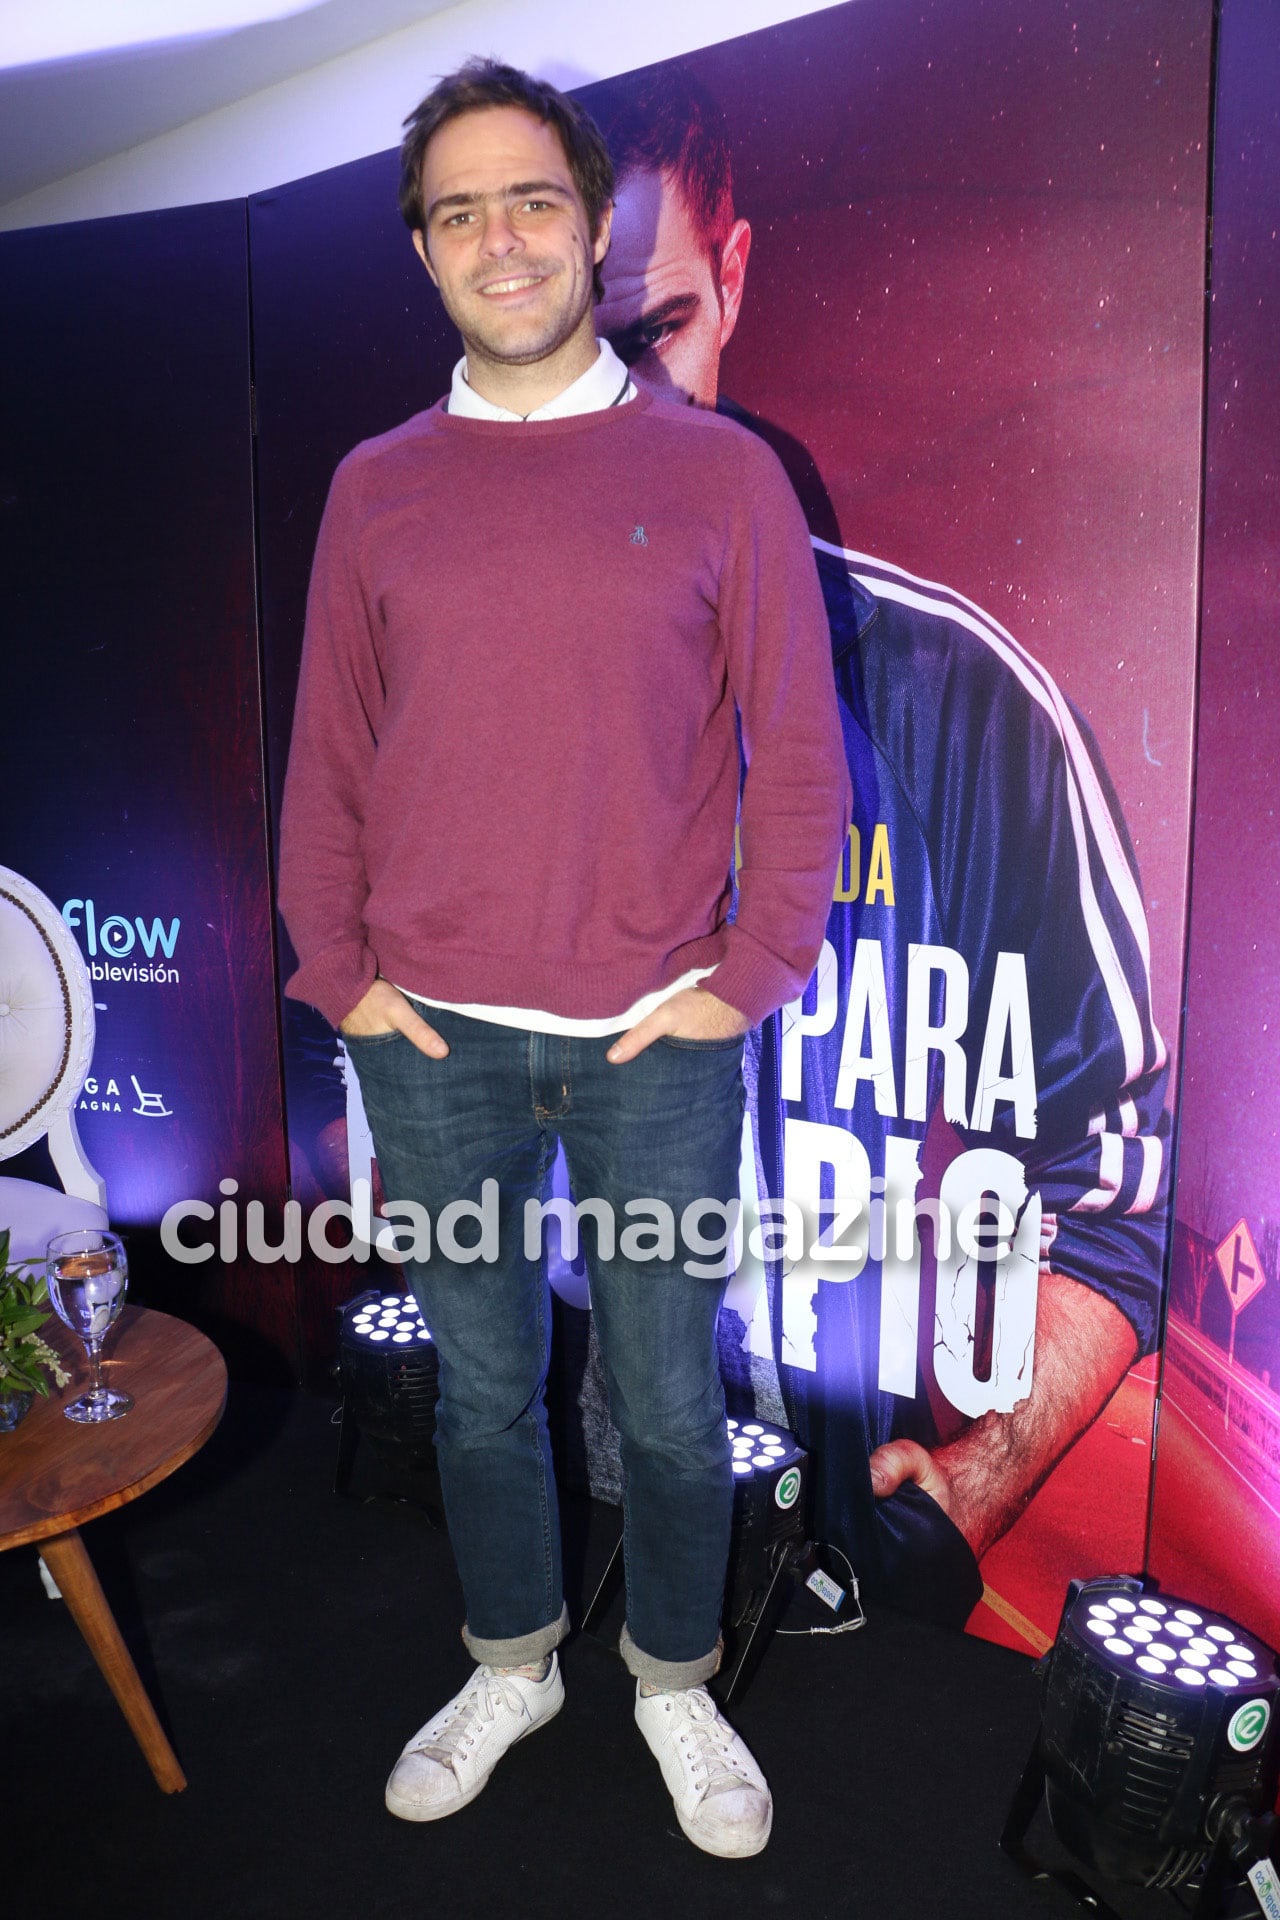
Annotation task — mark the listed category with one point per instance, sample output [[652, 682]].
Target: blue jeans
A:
[[664, 1127]]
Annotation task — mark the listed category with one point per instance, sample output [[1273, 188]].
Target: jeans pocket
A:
[[703, 1046], [370, 1039]]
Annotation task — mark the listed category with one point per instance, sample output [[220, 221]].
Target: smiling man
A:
[[543, 615], [514, 258]]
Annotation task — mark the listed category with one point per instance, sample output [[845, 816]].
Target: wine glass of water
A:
[[88, 1274]]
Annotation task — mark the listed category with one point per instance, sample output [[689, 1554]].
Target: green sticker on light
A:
[[787, 1491], [1248, 1724]]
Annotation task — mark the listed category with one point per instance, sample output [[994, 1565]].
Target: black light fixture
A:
[[390, 1375], [770, 1553], [770, 1474], [1158, 1751]]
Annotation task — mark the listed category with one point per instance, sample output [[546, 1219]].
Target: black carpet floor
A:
[[295, 1640]]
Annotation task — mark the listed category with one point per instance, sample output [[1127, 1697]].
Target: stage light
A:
[[1159, 1750], [770, 1555], [770, 1471], [389, 1370]]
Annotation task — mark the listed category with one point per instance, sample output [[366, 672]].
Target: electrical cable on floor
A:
[[845, 1626]]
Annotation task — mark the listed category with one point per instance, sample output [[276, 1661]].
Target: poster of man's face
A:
[[948, 270], [969, 328], [672, 288]]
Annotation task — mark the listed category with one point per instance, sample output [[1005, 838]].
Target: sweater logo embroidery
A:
[[639, 538]]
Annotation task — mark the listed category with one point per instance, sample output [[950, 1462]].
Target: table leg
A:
[[72, 1568]]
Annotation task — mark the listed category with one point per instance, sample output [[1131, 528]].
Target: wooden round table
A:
[[55, 1475]]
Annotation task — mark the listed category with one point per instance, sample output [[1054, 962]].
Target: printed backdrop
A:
[[963, 298], [971, 323], [130, 672]]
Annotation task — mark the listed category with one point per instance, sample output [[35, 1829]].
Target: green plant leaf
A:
[[26, 1360], [26, 1320]]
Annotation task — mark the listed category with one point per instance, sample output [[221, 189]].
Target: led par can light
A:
[[1158, 1728], [390, 1375], [770, 1473], [769, 1553]]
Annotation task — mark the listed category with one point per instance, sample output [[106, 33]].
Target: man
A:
[[1011, 874], [540, 613]]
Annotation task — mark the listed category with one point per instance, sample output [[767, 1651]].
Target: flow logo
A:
[[639, 538], [117, 936]]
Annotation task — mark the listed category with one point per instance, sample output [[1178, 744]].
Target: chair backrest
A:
[[46, 1032]]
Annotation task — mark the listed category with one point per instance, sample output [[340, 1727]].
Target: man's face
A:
[[668, 307], [507, 239]]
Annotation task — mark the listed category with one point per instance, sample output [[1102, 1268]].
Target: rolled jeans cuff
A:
[[668, 1674], [519, 1652]]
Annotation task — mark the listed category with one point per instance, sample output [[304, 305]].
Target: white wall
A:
[[354, 105]]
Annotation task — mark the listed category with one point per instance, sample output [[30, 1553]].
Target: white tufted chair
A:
[[46, 1045]]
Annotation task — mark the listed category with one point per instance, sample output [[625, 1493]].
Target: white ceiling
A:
[[81, 80]]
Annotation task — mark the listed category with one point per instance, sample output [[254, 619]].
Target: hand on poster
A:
[[384, 1009], [984, 1478]]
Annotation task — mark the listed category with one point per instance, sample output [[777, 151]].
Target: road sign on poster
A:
[[1240, 1267]]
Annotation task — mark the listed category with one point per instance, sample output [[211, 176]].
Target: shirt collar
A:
[[604, 384]]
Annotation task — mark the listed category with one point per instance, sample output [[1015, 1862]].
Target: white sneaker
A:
[[721, 1798], [449, 1761]]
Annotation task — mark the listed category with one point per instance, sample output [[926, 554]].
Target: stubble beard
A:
[[506, 348]]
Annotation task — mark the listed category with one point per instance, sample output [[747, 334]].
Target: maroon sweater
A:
[[515, 769]]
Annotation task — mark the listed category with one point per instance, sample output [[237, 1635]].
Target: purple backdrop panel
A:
[[972, 304], [349, 339], [1216, 1515], [970, 320], [131, 690]]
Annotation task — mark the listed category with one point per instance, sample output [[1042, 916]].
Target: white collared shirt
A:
[[606, 383]]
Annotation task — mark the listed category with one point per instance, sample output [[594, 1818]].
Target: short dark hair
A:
[[665, 121], [488, 83]]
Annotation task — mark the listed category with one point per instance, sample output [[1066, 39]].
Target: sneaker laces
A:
[[709, 1743], [477, 1704]]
